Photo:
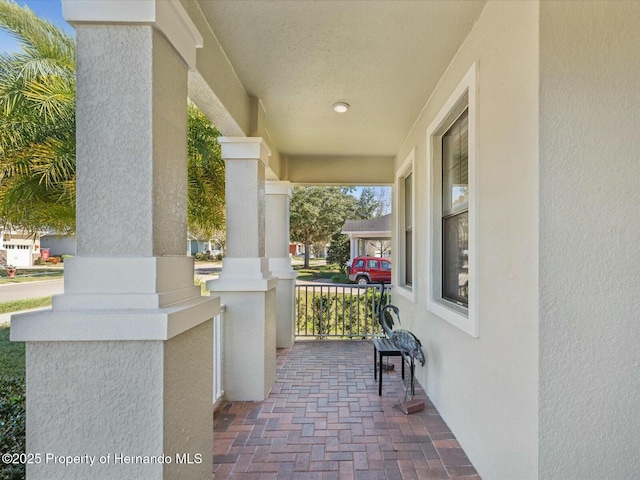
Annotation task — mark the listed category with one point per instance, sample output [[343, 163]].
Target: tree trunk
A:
[[307, 247]]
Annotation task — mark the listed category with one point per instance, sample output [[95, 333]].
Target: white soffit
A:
[[382, 57]]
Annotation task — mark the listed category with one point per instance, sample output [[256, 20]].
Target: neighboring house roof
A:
[[380, 225]]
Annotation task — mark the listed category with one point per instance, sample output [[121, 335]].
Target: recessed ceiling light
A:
[[340, 107]]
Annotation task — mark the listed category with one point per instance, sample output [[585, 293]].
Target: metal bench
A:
[[383, 347]]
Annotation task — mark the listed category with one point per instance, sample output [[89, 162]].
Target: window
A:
[[386, 265], [452, 280], [408, 230], [405, 236], [455, 211], [360, 263], [372, 264]]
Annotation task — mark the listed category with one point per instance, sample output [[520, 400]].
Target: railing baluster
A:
[[352, 317], [306, 310], [344, 326]]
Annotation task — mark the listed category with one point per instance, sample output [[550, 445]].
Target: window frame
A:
[[464, 97], [402, 288]]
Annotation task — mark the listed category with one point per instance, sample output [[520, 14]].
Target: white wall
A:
[[59, 245], [486, 388], [589, 236]]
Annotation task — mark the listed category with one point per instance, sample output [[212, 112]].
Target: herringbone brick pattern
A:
[[324, 420]]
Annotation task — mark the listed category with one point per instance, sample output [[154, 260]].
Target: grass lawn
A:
[[316, 271], [11, 355], [12, 390], [31, 275], [26, 304], [12, 403]]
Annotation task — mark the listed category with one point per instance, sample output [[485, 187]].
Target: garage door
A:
[[18, 255]]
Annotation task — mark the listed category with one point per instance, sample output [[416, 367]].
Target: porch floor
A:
[[325, 420]]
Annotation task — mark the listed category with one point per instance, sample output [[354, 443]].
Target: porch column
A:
[[353, 242], [277, 249], [119, 371], [246, 286]]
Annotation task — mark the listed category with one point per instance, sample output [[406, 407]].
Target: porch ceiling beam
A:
[[338, 170], [214, 86]]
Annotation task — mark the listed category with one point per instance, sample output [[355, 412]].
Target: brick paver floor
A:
[[324, 420]]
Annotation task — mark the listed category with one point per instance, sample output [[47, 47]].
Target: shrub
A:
[[12, 403], [12, 424], [12, 414], [339, 251], [54, 260], [199, 256], [339, 278], [66, 257]]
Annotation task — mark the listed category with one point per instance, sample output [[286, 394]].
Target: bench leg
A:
[[413, 385], [375, 365], [380, 377]]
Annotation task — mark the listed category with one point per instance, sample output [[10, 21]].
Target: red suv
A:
[[370, 270]]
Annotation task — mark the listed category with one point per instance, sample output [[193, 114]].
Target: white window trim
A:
[[406, 291], [465, 95]]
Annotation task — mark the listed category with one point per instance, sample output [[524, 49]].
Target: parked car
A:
[[365, 270]]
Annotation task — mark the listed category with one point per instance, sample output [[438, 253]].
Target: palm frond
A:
[[38, 37]]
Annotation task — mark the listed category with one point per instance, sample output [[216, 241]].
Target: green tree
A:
[[368, 205], [37, 123], [317, 213], [205, 211], [339, 250], [37, 135]]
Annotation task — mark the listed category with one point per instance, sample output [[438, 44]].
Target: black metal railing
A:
[[339, 310]]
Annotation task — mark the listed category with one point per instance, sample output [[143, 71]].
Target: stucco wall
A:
[[589, 231], [131, 158], [249, 344], [188, 411], [124, 421], [486, 388], [129, 398]]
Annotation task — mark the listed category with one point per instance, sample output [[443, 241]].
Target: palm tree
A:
[[37, 123], [37, 134], [205, 206]]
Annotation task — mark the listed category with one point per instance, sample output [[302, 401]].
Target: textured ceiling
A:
[[384, 58]]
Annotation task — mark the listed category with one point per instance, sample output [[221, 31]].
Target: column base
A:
[[244, 275], [111, 298], [285, 301], [128, 409], [248, 291], [119, 372]]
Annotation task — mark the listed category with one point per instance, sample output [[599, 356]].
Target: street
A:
[[19, 291]]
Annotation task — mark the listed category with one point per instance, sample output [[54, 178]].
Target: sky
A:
[[50, 10]]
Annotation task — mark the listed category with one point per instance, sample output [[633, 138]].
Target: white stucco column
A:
[[277, 249], [246, 286], [121, 366], [353, 243]]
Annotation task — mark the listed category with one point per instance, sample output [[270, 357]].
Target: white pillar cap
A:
[[277, 187], [245, 148], [168, 16]]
